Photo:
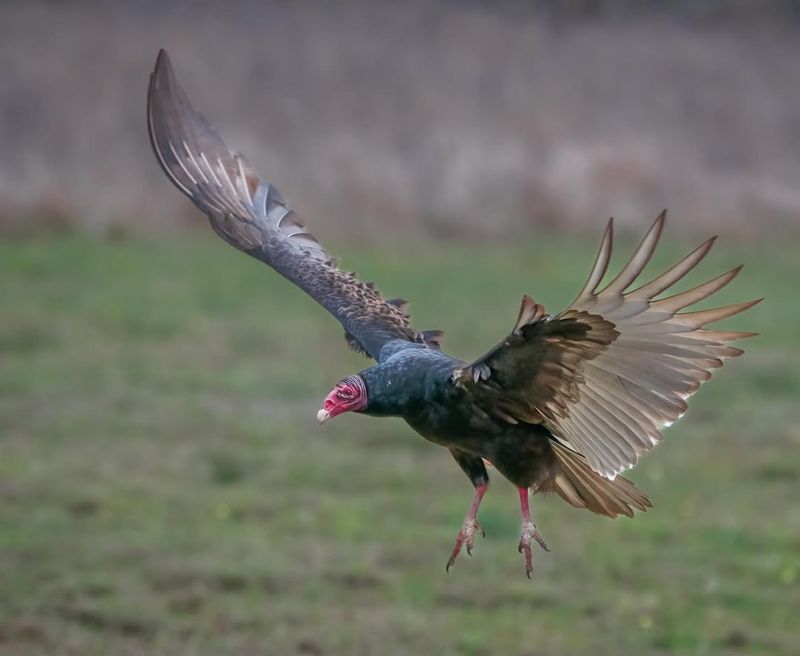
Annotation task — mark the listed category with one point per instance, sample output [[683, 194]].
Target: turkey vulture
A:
[[562, 404]]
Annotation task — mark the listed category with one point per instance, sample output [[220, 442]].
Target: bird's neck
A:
[[391, 390], [406, 382]]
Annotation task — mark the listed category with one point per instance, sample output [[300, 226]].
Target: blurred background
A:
[[164, 488]]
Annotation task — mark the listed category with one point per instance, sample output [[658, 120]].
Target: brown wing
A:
[[250, 214], [614, 368]]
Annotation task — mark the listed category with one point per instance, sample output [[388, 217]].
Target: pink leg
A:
[[467, 533], [529, 531]]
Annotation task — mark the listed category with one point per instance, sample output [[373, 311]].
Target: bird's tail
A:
[[579, 485]]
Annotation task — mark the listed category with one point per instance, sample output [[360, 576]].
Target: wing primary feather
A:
[[162, 63], [228, 182], [183, 166], [639, 259], [600, 265], [702, 317], [674, 273], [211, 171], [696, 294], [192, 158], [719, 335]]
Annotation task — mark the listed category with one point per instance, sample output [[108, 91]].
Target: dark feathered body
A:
[[416, 383]]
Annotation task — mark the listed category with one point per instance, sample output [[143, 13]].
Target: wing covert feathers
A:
[[250, 214], [607, 374]]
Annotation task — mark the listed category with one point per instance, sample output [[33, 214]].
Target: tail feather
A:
[[579, 485]]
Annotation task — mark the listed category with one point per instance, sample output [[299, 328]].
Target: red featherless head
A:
[[349, 395]]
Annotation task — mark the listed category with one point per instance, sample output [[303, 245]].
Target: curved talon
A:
[[528, 558], [540, 540], [530, 532], [466, 536]]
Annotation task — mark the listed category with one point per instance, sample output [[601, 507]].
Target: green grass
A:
[[164, 487]]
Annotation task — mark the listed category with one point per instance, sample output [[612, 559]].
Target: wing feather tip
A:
[[700, 318], [660, 221], [638, 260], [162, 59]]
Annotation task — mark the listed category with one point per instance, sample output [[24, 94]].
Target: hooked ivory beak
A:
[[323, 415]]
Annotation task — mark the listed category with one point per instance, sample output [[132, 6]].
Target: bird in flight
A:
[[563, 404]]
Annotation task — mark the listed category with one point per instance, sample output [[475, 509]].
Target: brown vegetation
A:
[[445, 118]]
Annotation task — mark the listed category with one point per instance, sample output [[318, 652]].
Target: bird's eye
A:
[[345, 394]]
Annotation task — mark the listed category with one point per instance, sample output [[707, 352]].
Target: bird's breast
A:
[[454, 425]]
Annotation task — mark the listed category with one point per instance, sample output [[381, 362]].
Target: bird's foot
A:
[[530, 532], [466, 536]]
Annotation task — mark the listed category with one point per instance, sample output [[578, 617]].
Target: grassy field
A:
[[165, 489]]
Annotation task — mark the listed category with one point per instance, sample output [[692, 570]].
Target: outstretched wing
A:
[[614, 368], [250, 214]]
